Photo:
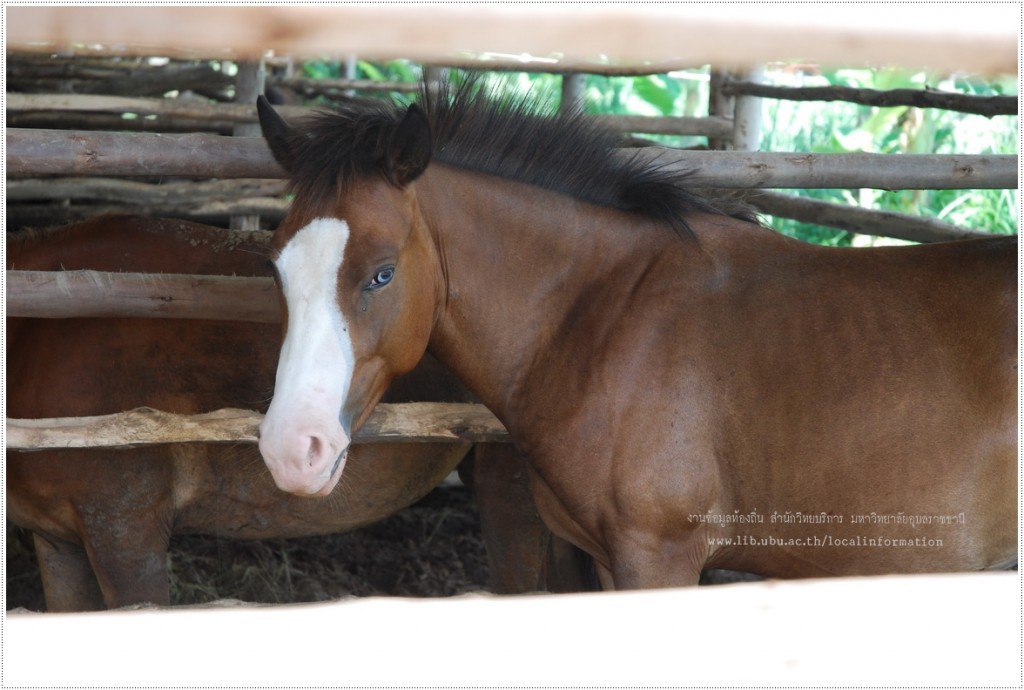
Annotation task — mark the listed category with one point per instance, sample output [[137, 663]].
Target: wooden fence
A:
[[36, 149], [882, 631]]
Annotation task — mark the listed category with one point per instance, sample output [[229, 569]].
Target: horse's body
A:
[[102, 518], [691, 389]]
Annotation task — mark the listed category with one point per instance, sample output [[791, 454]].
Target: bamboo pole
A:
[[388, 423]]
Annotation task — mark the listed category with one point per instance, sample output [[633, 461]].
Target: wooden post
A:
[[573, 91], [433, 76], [720, 105], [351, 70], [249, 84], [747, 116]]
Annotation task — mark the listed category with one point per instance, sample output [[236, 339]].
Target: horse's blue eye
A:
[[382, 277]]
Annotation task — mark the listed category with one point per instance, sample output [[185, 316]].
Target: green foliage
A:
[[395, 70], [835, 127], [683, 93]]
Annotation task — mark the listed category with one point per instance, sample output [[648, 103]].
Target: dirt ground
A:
[[432, 548]]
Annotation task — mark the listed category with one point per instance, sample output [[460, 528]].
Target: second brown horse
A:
[[102, 518]]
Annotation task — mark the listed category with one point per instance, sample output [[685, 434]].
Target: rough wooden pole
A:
[[63, 111], [767, 170], [67, 294], [46, 152], [32, 152], [860, 220], [988, 106], [389, 423]]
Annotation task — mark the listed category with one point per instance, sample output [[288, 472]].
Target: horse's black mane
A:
[[568, 153]]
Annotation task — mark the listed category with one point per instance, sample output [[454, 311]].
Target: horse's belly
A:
[[230, 493], [918, 515]]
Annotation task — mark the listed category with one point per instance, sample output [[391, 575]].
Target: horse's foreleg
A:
[[68, 580], [515, 537], [570, 569], [523, 554], [130, 568]]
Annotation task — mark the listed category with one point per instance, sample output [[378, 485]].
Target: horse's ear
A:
[[409, 148], [276, 131]]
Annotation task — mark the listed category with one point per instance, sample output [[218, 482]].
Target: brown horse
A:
[[691, 389], [102, 519]]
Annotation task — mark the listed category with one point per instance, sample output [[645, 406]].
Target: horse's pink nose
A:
[[304, 463]]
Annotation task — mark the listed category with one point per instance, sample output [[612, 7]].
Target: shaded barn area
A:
[[432, 548]]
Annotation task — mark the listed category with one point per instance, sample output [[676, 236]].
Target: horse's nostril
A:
[[314, 451]]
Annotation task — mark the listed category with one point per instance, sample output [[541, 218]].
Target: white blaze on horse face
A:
[[302, 438]]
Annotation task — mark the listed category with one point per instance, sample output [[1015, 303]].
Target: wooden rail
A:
[[49, 152], [860, 220], [988, 106], [56, 152], [980, 37], [78, 294], [758, 170], [219, 113], [389, 423]]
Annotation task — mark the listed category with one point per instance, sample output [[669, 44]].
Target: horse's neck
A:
[[517, 262]]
